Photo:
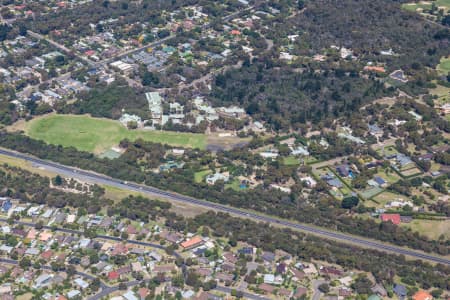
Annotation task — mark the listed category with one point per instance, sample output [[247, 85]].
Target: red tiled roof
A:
[[143, 292], [47, 254], [375, 69], [89, 52], [113, 275], [422, 295], [192, 242], [394, 218]]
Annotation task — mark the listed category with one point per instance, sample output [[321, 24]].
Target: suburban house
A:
[[192, 243], [445, 109], [344, 170], [231, 112], [422, 295], [375, 130], [400, 291], [213, 178], [379, 180], [394, 218], [155, 104], [5, 204]]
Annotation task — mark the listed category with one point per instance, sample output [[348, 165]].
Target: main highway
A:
[[100, 179]]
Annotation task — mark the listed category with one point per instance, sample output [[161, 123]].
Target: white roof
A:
[[5, 248], [269, 154], [269, 278], [70, 218], [73, 293], [129, 295], [299, 151], [212, 178], [81, 283], [153, 97], [47, 213]]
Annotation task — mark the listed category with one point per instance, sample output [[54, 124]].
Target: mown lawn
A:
[[98, 135], [384, 198], [200, 175], [442, 92], [426, 5], [444, 66], [390, 176], [433, 229], [235, 184], [291, 161], [415, 6]]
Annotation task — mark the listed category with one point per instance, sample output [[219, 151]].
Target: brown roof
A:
[[330, 271], [20, 251], [61, 257], [266, 288], [124, 270], [172, 237], [284, 292], [345, 292], [224, 277], [202, 296], [204, 271], [163, 268], [119, 249], [16, 272], [228, 267], [298, 274], [230, 257], [131, 229], [300, 292], [47, 254]]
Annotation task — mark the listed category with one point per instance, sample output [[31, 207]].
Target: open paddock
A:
[[99, 135]]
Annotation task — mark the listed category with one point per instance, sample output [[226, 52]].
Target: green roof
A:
[[374, 297]]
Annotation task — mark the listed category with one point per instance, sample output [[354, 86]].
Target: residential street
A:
[[317, 294]]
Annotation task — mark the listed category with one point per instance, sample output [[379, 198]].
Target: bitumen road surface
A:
[[155, 192], [317, 293]]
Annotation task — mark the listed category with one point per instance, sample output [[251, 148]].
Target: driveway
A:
[[317, 294]]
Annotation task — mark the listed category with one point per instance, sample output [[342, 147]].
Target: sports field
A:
[[99, 135]]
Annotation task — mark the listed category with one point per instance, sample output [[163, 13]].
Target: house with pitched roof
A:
[[394, 218], [422, 295]]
